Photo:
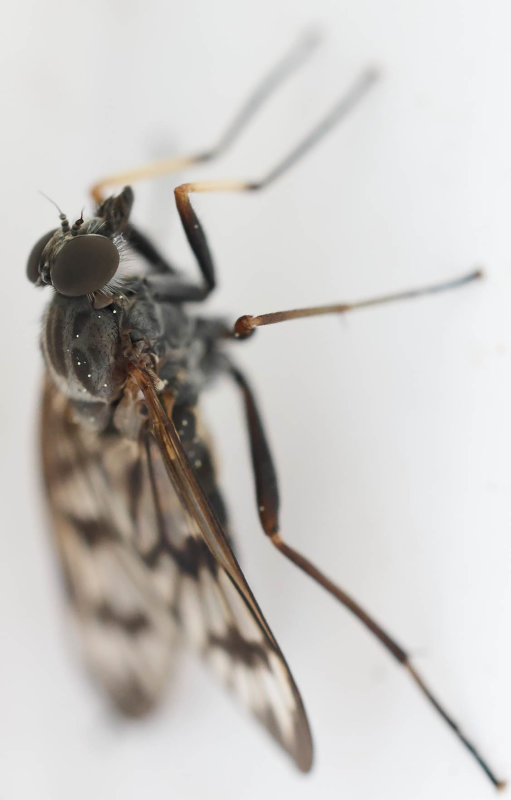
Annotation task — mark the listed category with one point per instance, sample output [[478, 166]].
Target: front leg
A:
[[142, 245]]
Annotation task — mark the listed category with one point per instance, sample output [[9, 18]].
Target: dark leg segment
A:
[[267, 490], [172, 289], [268, 506], [142, 245], [165, 281]]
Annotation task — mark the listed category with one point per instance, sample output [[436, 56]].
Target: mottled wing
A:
[[102, 511], [216, 607], [145, 557]]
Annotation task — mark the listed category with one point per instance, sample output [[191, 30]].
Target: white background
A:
[[391, 428]]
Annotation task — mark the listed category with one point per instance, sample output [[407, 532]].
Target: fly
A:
[[140, 524]]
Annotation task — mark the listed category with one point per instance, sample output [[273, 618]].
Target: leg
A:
[[264, 89], [142, 245], [164, 280], [191, 224], [268, 506], [246, 325], [172, 288], [193, 229]]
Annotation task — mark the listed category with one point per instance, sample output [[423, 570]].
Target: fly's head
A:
[[82, 259], [82, 338]]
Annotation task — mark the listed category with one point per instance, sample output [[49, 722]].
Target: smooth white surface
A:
[[391, 428]]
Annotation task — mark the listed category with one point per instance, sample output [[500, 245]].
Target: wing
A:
[[170, 566], [217, 608], [128, 637]]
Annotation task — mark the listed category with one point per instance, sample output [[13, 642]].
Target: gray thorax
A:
[[88, 350]]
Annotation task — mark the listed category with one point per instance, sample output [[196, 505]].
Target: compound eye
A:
[[36, 253], [84, 265]]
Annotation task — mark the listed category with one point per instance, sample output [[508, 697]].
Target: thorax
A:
[[88, 350]]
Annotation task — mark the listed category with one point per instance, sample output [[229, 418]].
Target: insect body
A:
[[139, 520], [133, 553]]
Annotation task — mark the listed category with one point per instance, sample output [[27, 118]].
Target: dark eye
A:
[[34, 258], [84, 265]]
